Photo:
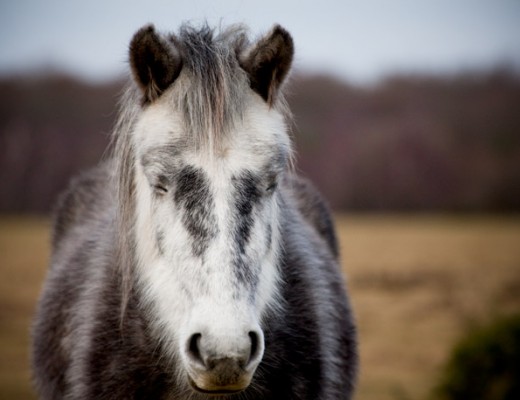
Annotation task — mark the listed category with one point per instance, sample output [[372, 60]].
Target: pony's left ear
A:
[[155, 62], [268, 62]]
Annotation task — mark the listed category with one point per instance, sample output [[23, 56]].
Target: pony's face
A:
[[207, 234]]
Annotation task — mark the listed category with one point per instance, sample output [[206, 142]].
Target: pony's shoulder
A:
[[85, 195], [314, 209]]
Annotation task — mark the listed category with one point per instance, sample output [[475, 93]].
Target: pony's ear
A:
[[155, 62], [268, 62]]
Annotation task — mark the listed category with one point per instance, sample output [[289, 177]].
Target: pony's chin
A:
[[217, 390]]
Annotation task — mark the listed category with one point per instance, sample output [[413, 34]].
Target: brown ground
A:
[[417, 284]]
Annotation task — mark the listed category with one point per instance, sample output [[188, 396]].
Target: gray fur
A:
[[92, 333], [212, 97], [192, 193]]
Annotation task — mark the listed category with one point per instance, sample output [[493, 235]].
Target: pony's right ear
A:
[[268, 62], [155, 62]]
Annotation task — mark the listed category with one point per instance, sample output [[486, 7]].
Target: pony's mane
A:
[[124, 159], [211, 91]]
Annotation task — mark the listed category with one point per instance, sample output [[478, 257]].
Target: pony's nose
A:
[[245, 353], [226, 369]]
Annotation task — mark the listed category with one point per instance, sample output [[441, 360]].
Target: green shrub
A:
[[485, 365]]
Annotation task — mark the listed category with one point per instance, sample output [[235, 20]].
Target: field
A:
[[417, 284]]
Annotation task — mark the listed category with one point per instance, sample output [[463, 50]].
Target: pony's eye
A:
[[160, 184], [160, 189], [272, 187]]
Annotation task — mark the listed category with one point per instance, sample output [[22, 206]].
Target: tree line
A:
[[408, 143]]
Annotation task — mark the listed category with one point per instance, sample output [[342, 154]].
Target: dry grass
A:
[[24, 252], [417, 284]]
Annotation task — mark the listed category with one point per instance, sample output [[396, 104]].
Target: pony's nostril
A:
[[193, 349], [255, 346]]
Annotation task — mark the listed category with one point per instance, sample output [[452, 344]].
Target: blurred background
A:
[[406, 117]]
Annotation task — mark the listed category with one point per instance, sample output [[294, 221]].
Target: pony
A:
[[194, 262]]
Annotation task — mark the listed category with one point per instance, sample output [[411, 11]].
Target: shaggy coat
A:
[[96, 333]]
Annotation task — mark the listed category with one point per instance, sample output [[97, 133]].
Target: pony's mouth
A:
[[216, 390]]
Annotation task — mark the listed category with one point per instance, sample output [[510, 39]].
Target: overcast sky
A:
[[360, 40]]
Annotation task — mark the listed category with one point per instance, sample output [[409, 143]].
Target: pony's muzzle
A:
[[222, 369]]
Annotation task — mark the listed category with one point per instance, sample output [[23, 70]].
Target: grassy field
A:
[[417, 284]]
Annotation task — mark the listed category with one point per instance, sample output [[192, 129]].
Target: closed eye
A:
[[272, 187], [160, 189], [160, 184]]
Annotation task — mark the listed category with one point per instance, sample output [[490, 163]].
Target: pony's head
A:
[[199, 169]]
